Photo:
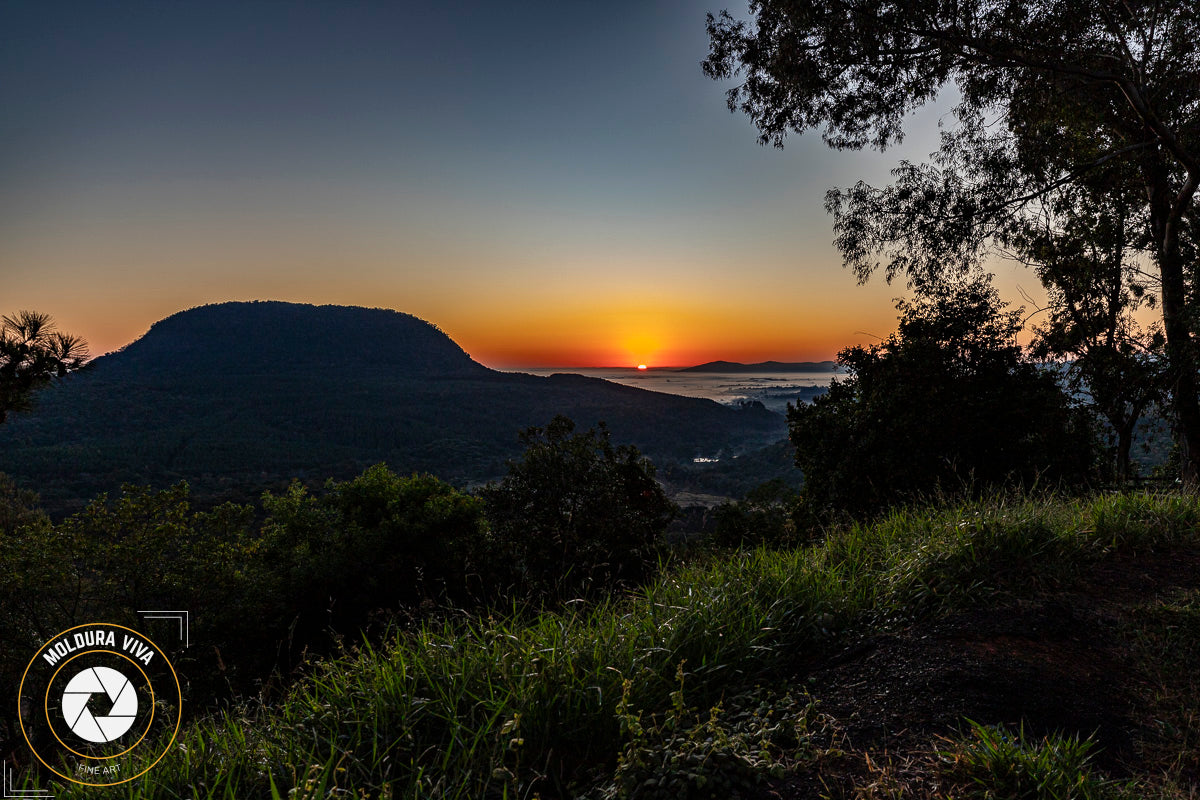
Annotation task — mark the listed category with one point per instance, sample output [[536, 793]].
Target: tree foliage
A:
[[768, 515], [377, 542], [947, 404], [264, 585], [270, 584], [32, 353], [1052, 99], [576, 514]]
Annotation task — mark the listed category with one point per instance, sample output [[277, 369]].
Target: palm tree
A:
[[32, 353]]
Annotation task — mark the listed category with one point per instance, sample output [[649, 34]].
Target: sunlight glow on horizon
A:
[[501, 334]]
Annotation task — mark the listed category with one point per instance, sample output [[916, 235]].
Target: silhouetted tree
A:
[[32, 353], [946, 404], [1049, 95], [574, 513]]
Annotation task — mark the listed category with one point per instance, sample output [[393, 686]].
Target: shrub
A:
[[576, 514], [768, 515]]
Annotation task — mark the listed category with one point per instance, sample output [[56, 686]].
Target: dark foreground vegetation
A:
[[270, 583], [395, 636], [885, 630]]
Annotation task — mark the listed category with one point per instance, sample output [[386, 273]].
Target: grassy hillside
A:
[[1001, 649]]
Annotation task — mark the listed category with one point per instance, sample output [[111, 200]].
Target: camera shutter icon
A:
[[118, 689]]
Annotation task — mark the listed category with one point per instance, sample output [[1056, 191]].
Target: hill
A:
[[237, 397], [764, 366]]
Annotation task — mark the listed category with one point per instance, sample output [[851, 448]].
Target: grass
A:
[[1000, 763], [1165, 632], [520, 708]]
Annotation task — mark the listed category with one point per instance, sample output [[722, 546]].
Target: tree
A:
[[946, 404], [1084, 257], [1051, 96], [32, 353], [575, 513]]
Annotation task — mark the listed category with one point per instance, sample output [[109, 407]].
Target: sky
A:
[[550, 183]]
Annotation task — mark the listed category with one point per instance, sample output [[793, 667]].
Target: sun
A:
[[642, 366]]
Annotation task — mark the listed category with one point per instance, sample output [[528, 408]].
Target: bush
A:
[[946, 405], [377, 542], [576, 514], [261, 592], [770, 515]]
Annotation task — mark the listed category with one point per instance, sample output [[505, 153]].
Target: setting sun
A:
[[641, 366]]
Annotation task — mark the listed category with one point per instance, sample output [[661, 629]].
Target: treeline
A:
[[948, 406]]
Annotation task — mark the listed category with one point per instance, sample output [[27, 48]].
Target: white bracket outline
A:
[[185, 633], [27, 794]]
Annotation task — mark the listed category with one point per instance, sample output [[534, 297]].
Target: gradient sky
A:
[[551, 183]]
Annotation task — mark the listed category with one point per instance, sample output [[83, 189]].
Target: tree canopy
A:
[[32, 353], [1052, 100]]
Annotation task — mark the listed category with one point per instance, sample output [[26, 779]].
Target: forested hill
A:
[[270, 338], [237, 397]]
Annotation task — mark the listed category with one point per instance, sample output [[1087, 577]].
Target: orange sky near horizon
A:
[[557, 311], [794, 325], [567, 332]]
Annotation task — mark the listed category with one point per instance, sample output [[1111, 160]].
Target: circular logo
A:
[[99, 704], [103, 681]]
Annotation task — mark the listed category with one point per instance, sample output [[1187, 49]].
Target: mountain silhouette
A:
[[236, 397], [268, 337]]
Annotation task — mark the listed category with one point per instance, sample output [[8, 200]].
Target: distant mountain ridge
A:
[[764, 366], [236, 397]]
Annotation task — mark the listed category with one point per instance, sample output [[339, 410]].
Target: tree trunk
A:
[[1184, 395], [1124, 445], [1165, 217], [1185, 399]]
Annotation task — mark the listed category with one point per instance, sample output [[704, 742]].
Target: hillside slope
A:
[[1010, 649]]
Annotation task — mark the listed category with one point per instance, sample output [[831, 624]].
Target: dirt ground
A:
[[1062, 663]]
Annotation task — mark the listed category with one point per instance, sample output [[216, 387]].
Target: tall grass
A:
[[503, 707]]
